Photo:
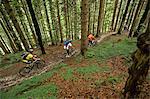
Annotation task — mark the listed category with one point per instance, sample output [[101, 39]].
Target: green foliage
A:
[[31, 86], [9, 59], [68, 74], [107, 50], [114, 79], [37, 92], [92, 69]]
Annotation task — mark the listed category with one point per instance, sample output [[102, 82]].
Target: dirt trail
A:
[[10, 76]]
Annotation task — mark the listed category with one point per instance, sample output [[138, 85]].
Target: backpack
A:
[[24, 55], [66, 43]]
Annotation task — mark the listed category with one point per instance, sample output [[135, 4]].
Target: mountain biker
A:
[[91, 39], [67, 46], [28, 57]]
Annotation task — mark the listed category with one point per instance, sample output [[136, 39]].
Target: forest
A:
[[74, 49]]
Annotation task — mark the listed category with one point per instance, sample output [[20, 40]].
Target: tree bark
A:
[[75, 18], [10, 29], [29, 20], [59, 21], [37, 29], [48, 23], [135, 18], [12, 43], [114, 13], [95, 6], [141, 62], [84, 25], [100, 18], [124, 16], [65, 15], [147, 9], [117, 16], [15, 22], [3, 46]]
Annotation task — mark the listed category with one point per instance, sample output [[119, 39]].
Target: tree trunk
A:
[[135, 18], [89, 23], [3, 46], [48, 23], [84, 25], [117, 18], [100, 17], [29, 20], [139, 69], [130, 14], [68, 19], [65, 15], [94, 17], [143, 18], [54, 25], [12, 43], [22, 20], [37, 29], [10, 29], [124, 16], [59, 21], [114, 13], [15, 22], [75, 18]]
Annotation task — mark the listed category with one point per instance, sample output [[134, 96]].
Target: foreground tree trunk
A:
[[100, 17], [15, 22], [37, 29], [141, 62], [84, 25]]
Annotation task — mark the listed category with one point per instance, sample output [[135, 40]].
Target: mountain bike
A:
[[35, 65]]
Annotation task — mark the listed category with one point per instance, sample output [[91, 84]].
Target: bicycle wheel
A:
[[41, 64], [24, 71]]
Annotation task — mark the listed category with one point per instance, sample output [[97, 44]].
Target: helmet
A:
[[30, 50]]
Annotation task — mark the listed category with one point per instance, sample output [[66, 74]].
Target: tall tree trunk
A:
[[114, 13], [68, 19], [48, 23], [3, 46], [22, 20], [37, 29], [147, 9], [130, 15], [117, 16], [15, 22], [39, 8], [84, 25], [75, 18], [141, 62], [59, 21], [135, 18], [54, 24], [95, 6], [65, 15], [10, 29], [100, 17], [12, 44], [89, 23], [24, 6], [124, 16]]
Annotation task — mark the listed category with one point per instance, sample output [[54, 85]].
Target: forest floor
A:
[[101, 74]]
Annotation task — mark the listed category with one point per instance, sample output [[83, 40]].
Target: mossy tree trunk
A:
[[141, 62], [84, 25]]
